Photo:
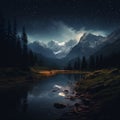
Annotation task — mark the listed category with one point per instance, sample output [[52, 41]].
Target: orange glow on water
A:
[[54, 72]]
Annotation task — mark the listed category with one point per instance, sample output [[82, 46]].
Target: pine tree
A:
[[75, 65], [13, 49], [69, 66], [79, 64], [18, 51], [25, 49], [2, 41], [101, 62], [9, 44], [32, 58], [13, 43], [15, 28], [91, 62], [9, 29], [97, 62], [84, 64]]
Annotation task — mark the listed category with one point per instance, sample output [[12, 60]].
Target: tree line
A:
[[14, 51], [94, 62]]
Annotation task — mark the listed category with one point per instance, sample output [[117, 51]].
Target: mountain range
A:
[[88, 44], [52, 49], [61, 49], [111, 44], [40, 48]]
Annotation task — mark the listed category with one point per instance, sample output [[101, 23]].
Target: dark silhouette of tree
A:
[[101, 62], [91, 62], [13, 48], [25, 49], [77, 64], [97, 62], [18, 51], [2, 40], [15, 28], [14, 43], [84, 64], [69, 66], [9, 29], [32, 58], [9, 47]]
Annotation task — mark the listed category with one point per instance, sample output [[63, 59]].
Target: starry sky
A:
[[63, 20]]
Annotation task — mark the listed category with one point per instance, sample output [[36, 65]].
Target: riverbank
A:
[[13, 76], [99, 92]]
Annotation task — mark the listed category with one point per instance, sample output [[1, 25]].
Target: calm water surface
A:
[[36, 101]]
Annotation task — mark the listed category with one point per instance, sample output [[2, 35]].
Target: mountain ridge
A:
[[87, 45]]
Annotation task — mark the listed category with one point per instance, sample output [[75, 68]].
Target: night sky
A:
[[63, 20]]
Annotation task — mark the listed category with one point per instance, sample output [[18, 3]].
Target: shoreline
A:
[[97, 95]]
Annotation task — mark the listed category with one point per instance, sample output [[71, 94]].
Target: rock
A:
[[66, 91], [76, 104], [79, 108], [72, 98], [75, 110], [59, 105], [77, 96]]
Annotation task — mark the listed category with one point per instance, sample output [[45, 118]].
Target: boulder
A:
[[66, 91]]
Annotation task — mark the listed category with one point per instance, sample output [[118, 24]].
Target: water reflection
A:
[[74, 77], [35, 101], [61, 94], [12, 102]]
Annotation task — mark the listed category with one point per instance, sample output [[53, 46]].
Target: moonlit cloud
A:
[[60, 32], [80, 33]]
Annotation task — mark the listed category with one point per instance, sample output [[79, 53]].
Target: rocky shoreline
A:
[[93, 94]]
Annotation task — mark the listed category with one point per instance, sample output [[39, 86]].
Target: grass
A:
[[13, 76], [104, 87]]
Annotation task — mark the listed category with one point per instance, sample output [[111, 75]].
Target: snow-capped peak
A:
[[61, 43], [90, 40], [61, 49], [40, 43]]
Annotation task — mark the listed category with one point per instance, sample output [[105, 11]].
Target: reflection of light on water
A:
[[58, 86], [61, 94]]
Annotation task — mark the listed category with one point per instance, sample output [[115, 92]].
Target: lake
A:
[[37, 101]]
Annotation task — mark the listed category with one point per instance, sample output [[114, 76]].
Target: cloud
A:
[[62, 32], [67, 32], [59, 31]]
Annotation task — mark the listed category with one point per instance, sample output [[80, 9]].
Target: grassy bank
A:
[[12, 76], [102, 90]]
